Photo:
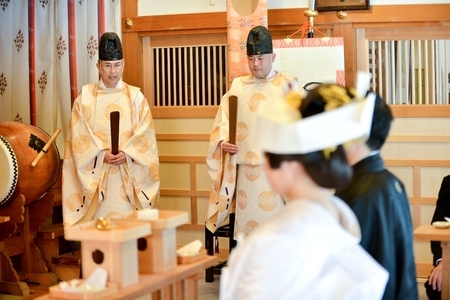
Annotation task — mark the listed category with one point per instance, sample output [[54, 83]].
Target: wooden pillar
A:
[[132, 46], [347, 31]]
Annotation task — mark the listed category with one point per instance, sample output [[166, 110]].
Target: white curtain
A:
[[14, 102], [48, 52]]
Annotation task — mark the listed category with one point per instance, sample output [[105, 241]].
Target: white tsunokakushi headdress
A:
[[280, 128]]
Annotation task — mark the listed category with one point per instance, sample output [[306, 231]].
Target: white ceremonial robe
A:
[[304, 252], [87, 179], [241, 175]]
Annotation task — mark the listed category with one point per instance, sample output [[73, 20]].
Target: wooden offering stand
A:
[[112, 247], [137, 268], [157, 252]]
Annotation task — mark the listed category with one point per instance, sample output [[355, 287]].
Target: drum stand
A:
[[20, 259]]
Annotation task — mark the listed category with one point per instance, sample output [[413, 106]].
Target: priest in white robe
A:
[[97, 182]]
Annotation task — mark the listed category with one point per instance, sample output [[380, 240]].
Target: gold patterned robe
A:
[[87, 179], [241, 176]]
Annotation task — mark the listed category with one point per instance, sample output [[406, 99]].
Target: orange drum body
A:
[[19, 145]]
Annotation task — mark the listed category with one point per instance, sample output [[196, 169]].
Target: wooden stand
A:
[[15, 214], [159, 253], [20, 259], [227, 231], [50, 240], [112, 249]]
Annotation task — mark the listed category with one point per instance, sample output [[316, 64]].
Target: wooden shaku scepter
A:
[[114, 123]]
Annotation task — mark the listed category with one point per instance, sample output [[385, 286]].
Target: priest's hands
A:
[[114, 159], [230, 148]]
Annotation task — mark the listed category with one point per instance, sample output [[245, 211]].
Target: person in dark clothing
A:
[[381, 205], [433, 285]]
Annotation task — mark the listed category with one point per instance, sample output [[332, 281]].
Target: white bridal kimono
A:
[[304, 252]]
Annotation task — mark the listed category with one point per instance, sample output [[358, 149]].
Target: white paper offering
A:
[[190, 249], [94, 283]]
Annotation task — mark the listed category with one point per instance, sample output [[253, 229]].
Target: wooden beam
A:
[[433, 14], [193, 23], [417, 163], [419, 139], [376, 14], [420, 111], [184, 112], [398, 33], [186, 159]]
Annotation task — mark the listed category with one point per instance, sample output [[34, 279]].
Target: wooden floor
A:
[[207, 291], [36, 290]]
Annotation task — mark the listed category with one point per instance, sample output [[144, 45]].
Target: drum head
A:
[[9, 174]]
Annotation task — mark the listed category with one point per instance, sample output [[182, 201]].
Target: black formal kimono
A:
[[442, 210], [381, 205]]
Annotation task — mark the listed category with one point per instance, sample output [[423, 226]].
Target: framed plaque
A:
[[337, 5]]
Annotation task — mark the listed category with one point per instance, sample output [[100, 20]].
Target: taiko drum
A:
[[19, 145]]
